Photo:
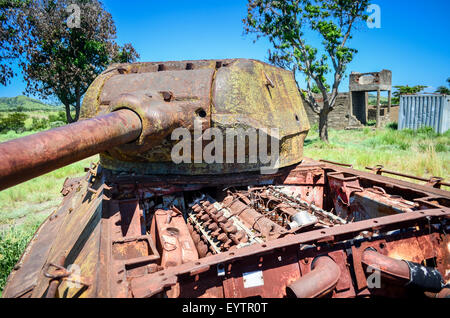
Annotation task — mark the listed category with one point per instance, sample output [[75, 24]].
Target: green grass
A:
[[13, 242], [422, 153], [38, 194], [13, 135]]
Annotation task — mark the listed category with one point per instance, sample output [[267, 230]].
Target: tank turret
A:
[[131, 110]]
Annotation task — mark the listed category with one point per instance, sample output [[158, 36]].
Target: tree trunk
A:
[[69, 117], [78, 104], [68, 114], [323, 125]]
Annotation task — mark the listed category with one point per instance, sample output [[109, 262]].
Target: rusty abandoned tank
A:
[[149, 221]]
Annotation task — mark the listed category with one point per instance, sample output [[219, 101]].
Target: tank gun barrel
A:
[[31, 156]]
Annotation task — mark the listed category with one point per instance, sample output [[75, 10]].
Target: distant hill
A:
[[24, 103]]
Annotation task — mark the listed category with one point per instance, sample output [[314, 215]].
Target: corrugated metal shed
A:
[[425, 110]]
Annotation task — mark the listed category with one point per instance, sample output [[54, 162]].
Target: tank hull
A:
[[106, 241]]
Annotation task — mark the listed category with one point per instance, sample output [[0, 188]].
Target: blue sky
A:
[[413, 40]]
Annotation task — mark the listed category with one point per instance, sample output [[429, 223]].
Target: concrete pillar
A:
[[378, 108], [366, 107], [389, 101], [350, 106]]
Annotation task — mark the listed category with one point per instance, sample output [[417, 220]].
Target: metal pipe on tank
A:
[[406, 273], [320, 281], [392, 268]]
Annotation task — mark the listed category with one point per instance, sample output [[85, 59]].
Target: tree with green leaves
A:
[[70, 43], [406, 90], [444, 90], [11, 33], [288, 24]]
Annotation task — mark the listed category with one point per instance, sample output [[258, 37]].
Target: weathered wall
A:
[[338, 118], [385, 116], [371, 82]]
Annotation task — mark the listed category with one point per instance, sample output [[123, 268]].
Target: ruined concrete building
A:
[[360, 85], [352, 108]]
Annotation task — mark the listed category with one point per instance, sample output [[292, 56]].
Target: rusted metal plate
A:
[[77, 240], [130, 217], [265, 276], [403, 188], [174, 238]]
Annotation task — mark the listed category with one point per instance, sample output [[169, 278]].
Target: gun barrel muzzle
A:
[[28, 157]]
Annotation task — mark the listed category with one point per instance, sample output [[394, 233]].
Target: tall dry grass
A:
[[422, 153]]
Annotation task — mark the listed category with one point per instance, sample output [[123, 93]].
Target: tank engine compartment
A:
[[159, 230], [199, 225]]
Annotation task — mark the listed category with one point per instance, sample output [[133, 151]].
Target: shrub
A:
[[39, 123], [314, 127], [427, 132], [56, 124], [441, 147], [392, 126], [59, 117], [12, 244], [13, 121]]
